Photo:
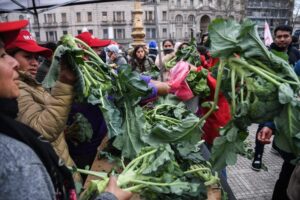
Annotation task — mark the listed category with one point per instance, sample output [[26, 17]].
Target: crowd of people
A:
[[35, 135]]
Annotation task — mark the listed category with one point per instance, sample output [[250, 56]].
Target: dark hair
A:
[[283, 28], [202, 49], [168, 40], [181, 45], [136, 48], [295, 39], [202, 38], [12, 52], [1, 43], [50, 45]]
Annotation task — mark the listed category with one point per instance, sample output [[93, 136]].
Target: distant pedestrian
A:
[[140, 62], [152, 46], [114, 55]]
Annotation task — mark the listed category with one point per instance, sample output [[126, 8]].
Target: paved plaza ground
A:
[[251, 185]]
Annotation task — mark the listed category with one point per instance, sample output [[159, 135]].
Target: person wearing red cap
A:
[[45, 112], [26, 51], [95, 43], [35, 174]]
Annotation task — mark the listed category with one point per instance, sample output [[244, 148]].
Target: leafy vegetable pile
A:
[[170, 122], [80, 130], [137, 131], [156, 174], [260, 85]]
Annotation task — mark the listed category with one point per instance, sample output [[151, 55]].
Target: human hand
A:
[[66, 74], [163, 88], [264, 135], [113, 188], [213, 193], [192, 67]]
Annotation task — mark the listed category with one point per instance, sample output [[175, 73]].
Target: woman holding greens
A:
[[45, 112]]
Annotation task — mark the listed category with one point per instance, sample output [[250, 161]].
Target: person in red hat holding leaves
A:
[[45, 112], [26, 51], [36, 174]]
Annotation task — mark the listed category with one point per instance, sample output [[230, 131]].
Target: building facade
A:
[[176, 19], [275, 12]]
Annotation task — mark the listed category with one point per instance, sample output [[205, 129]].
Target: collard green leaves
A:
[[259, 84], [171, 122], [227, 146], [223, 36]]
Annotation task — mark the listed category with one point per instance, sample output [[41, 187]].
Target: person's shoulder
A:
[[20, 166], [14, 151]]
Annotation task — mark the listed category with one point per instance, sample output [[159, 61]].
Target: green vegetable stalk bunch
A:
[[198, 83], [260, 86], [94, 78], [170, 122], [90, 70], [154, 173], [205, 173]]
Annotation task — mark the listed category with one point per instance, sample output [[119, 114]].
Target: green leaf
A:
[[171, 122], [52, 75], [285, 93], [227, 146], [160, 160], [250, 42], [281, 54], [129, 142], [224, 37], [287, 129], [128, 93], [80, 130]]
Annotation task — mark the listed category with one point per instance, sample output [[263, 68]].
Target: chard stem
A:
[[242, 87], [233, 96], [89, 50], [134, 188], [102, 175], [166, 118], [98, 74], [88, 75], [279, 78], [260, 64], [154, 183], [257, 70], [138, 158], [197, 170], [95, 57]]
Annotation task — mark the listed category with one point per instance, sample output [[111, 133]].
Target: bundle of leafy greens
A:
[[198, 83], [128, 92], [170, 122], [117, 94], [260, 85], [80, 130], [155, 174], [188, 54], [94, 78]]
